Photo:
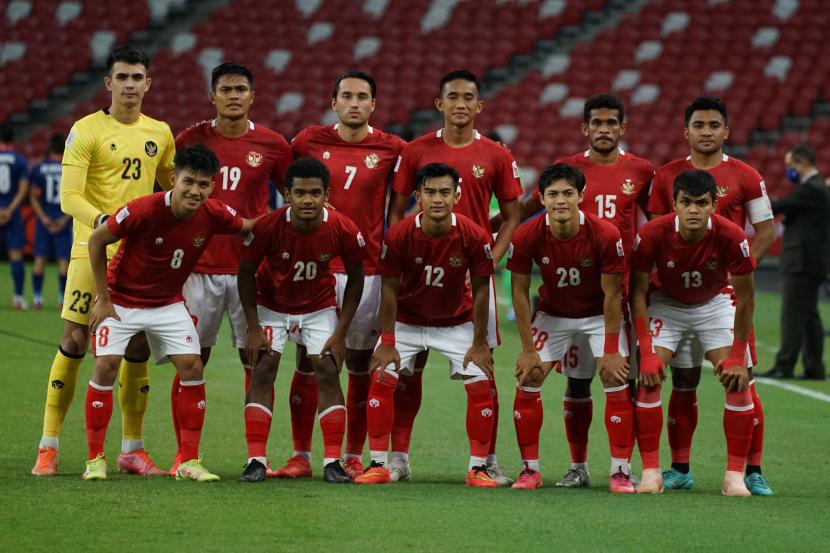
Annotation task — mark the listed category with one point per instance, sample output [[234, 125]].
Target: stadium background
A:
[[538, 61]]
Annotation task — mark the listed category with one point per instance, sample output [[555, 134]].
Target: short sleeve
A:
[[404, 180], [79, 147], [351, 242], [299, 144], [479, 255], [740, 260], [258, 241], [613, 253], [284, 156], [519, 254], [168, 153], [659, 202], [225, 218], [126, 220], [509, 185], [758, 206], [389, 263], [642, 252]]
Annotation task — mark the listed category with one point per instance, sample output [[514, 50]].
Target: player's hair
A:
[[561, 171], [128, 54], [458, 74], [354, 74], [434, 171], [706, 103], [695, 182], [197, 158], [803, 153], [57, 143], [599, 101], [6, 133], [230, 68], [306, 168]]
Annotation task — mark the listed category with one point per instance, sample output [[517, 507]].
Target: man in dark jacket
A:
[[805, 264]]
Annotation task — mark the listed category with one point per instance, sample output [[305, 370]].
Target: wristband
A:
[[643, 335], [739, 349], [101, 219], [387, 338], [612, 342]]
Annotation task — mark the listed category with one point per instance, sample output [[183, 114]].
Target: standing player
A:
[[112, 156], [485, 168], [53, 234], [360, 160], [14, 185], [293, 248], [249, 155], [742, 198], [582, 261], [430, 262], [695, 253], [162, 237]]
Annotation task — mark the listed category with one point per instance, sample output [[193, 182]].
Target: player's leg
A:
[[407, 404], [63, 249], [755, 480], [579, 366], [43, 247], [493, 340], [682, 418], [14, 245], [302, 404], [648, 420], [527, 417]]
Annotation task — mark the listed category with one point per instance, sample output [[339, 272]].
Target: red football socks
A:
[[527, 416], [648, 418], [333, 427], [303, 406], [257, 428], [190, 410], [756, 447], [479, 415], [681, 423], [738, 415], [619, 420], [407, 403], [98, 414], [356, 396], [579, 413], [380, 409]]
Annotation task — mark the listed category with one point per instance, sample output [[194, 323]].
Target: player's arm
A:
[[98, 242], [73, 201], [34, 201], [764, 238], [509, 210], [248, 225], [479, 353], [22, 191], [528, 357], [256, 342], [652, 370], [386, 353], [397, 207], [612, 362], [732, 371], [336, 344], [165, 168], [529, 206]]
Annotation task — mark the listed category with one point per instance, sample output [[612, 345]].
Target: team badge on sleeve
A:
[[620, 250], [121, 215], [383, 249], [745, 247], [360, 239], [248, 239], [510, 251], [231, 210], [515, 170], [636, 243], [487, 251], [71, 138]]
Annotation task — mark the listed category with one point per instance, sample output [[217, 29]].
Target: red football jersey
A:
[[742, 194], [360, 174], [246, 164], [571, 269], [613, 192], [435, 289], [692, 273], [294, 273], [485, 168], [158, 251]]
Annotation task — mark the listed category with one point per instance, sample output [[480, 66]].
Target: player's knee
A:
[[191, 368], [685, 377], [357, 361], [75, 339], [137, 350], [106, 369], [578, 388], [535, 379]]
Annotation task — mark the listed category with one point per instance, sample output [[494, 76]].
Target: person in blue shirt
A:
[[14, 184], [53, 234]]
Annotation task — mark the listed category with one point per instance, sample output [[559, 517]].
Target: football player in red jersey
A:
[[486, 168], [436, 267], [360, 160], [162, 237], [286, 285], [742, 198], [582, 261], [695, 254], [249, 155]]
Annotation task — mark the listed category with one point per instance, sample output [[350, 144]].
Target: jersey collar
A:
[[250, 124], [288, 214], [724, 158], [581, 218], [620, 150], [418, 219], [677, 223], [168, 198], [440, 132], [369, 127]]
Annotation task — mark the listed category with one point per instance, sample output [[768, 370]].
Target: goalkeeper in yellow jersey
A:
[[112, 156]]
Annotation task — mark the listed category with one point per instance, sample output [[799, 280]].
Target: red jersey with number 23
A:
[[571, 269], [246, 163], [692, 273], [158, 251], [359, 176], [434, 287], [294, 273]]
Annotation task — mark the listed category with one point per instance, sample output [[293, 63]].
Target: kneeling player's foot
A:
[[333, 473], [138, 462], [96, 469], [479, 477], [733, 484], [757, 485], [296, 467], [254, 472], [620, 482], [674, 479], [497, 473], [353, 467], [576, 477], [399, 470], [47, 462], [652, 482], [528, 479], [375, 473], [193, 470]]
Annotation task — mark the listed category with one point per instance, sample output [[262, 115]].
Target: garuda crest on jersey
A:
[[199, 241], [478, 170], [150, 148], [456, 261], [628, 187], [325, 257], [712, 264], [372, 161], [723, 191], [585, 261], [254, 159]]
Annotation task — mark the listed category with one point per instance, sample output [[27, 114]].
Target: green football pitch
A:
[[434, 512]]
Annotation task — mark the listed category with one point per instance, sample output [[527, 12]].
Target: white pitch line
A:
[[795, 389]]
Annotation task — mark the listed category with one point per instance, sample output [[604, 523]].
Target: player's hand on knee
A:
[[383, 356], [481, 356], [256, 343], [101, 311], [732, 374], [652, 370], [336, 346], [528, 363], [614, 367]]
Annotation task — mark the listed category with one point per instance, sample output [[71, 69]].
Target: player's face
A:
[[437, 197], [190, 189], [128, 83], [561, 201], [307, 198], [459, 103], [706, 131], [233, 96], [354, 102], [694, 211], [604, 130]]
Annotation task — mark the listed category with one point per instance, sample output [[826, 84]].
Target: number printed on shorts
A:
[[539, 338], [80, 302], [571, 357], [434, 276], [305, 271], [568, 277], [269, 333], [103, 336], [656, 326], [176, 260], [692, 279]]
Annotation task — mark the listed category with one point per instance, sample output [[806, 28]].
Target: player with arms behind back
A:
[[112, 156], [694, 252], [14, 185]]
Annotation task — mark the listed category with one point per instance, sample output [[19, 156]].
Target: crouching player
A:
[[581, 259], [694, 252], [293, 291], [162, 236], [429, 264]]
